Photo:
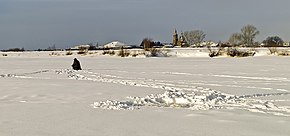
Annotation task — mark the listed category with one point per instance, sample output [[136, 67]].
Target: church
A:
[[179, 41]]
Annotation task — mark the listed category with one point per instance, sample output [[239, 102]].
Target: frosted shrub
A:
[[69, 53], [110, 52], [83, 50], [284, 53], [273, 50], [154, 52], [214, 53], [123, 53], [234, 52], [134, 54], [54, 54]]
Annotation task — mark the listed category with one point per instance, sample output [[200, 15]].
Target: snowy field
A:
[[40, 95]]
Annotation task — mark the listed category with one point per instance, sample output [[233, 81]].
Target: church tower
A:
[[175, 38], [182, 38], [182, 41]]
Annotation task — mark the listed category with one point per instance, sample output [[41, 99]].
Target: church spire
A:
[[175, 38]]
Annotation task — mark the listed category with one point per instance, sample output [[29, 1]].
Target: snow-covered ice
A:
[[40, 95]]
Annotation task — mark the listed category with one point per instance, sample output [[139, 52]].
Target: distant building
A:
[[179, 41], [175, 38], [82, 46], [205, 44], [116, 45]]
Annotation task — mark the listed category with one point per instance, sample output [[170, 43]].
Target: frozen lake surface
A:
[[42, 96]]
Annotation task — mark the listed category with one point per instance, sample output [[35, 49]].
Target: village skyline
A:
[[35, 24]]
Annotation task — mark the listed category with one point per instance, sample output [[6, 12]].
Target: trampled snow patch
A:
[[195, 101]]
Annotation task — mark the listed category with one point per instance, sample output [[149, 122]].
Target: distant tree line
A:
[[14, 50], [245, 38], [50, 48]]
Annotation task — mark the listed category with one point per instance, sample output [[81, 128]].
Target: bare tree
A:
[[194, 37], [147, 43], [235, 39], [248, 35]]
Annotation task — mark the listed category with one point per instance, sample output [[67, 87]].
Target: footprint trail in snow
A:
[[180, 96], [176, 95]]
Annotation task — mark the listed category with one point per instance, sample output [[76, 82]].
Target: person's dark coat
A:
[[76, 65]]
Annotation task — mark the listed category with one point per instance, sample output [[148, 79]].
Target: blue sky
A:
[[34, 24]]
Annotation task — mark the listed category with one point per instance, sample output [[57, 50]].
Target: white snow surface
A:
[[40, 95]]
